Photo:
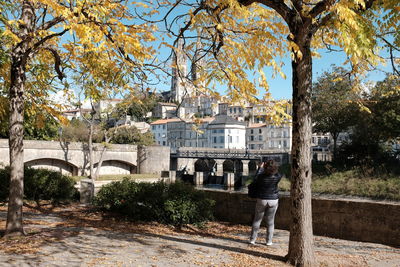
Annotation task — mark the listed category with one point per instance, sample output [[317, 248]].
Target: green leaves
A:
[[175, 204]]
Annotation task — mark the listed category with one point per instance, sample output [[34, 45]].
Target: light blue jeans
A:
[[269, 206]]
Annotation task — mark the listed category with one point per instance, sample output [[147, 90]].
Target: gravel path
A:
[[62, 238]]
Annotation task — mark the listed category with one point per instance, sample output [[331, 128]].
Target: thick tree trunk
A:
[[301, 250], [19, 57], [15, 203]]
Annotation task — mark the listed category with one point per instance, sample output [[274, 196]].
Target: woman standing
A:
[[267, 200]]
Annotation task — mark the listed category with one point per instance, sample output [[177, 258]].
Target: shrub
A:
[[175, 204], [41, 184], [4, 183]]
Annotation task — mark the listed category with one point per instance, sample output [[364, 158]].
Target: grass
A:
[[351, 183], [119, 177]]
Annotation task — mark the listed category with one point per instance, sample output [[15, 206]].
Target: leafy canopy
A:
[[90, 38]]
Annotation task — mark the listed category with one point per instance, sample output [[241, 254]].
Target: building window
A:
[[220, 139], [326, 140], [163, 143], [285, 143], [251, 138], [252, 146], [272, 134], [260, 138], [259, 130], [215, 140], [251, 131]]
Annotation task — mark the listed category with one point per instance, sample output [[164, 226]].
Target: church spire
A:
[[197, 62], [179, 72]]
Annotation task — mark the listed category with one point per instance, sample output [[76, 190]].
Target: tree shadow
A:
[[79, 235]]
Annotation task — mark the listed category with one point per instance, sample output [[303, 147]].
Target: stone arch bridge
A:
[[219, 162], [73, 158]]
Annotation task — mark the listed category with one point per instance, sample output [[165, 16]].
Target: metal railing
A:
[[221, 153]]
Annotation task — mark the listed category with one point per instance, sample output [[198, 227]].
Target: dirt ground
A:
[[75, 235]]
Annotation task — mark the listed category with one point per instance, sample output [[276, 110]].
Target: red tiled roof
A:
[[163, 121], [256, 125]]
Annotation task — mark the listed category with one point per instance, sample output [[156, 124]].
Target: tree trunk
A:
[[14, 215], [107, 141], [335, 137], [90, 147], [301, 250], [19, 57]]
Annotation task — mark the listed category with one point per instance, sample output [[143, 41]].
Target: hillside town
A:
[[186, 117]]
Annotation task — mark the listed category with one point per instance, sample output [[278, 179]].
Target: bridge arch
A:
[[54, 164], [253, 166], [228, 165], [204, 165], [116, 167]]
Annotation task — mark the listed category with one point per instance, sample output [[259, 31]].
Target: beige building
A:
[[263, 136], [165, 110]]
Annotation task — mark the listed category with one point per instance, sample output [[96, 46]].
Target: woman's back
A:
[[267, 186]]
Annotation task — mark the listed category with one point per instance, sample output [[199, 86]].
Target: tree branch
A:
[[47, 25], [57, 62], [278, 5], [321, 7], [39, 43]]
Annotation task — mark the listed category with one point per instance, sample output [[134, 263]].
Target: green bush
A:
[[41, 184], [4, 183], [175, 204]]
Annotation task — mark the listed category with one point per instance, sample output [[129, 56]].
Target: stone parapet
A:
[[359, 220]]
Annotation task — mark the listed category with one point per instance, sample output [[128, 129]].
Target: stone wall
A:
[[153, 159], [72, 158], [359, 220]]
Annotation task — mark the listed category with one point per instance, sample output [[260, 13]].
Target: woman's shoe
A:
[[269, 243]]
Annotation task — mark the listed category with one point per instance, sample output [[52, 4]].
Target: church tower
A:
[[179, 86], [197, 62]]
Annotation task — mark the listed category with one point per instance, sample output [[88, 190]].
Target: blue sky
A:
[[281, 88]]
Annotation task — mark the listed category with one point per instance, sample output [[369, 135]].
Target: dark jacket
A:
[[267, 186]]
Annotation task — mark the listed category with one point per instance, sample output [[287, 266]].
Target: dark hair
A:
[[270, 167]]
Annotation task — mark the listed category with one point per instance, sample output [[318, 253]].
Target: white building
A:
[[160, 131], [165, 110], [226, 132], [75, 113], [106, 105], [196, 133], [262, 136]]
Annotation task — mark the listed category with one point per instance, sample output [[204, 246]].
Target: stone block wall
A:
[[359, 220], [153, 159]]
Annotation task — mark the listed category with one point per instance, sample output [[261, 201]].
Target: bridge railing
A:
[[220, 153]]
